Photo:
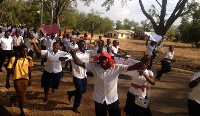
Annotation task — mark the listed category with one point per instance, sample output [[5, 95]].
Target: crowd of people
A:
[[18, 44]]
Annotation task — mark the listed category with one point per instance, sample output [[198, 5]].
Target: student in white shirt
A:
[[108, 46], [166, 67], [79, 75], [49, 44], [194, 96], [53, 69], [139, 81], [27, 42], [6, 49], [99, 43], [115, 48], [17, 41], [151, 51], [105, 82]]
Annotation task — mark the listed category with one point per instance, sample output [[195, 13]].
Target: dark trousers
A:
[[30, 53], [194, 108], [15, 49], [113, 109], [3, 55], [152, 58], [81, 86], [166, 67]]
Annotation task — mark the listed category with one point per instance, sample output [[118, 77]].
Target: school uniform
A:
[[79, 76], [137, 88], [115, 50], [53, 69], [105, 88], [29, 46], [17, 41], [166, 67], [21, 76], [106, 47], [7, 50], [194, 98], [151, 52]]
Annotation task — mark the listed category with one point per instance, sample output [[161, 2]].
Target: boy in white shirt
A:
[[166, 67], [105, 82]]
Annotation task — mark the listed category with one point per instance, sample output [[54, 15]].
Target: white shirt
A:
[[149, 50], [115, 49], [78, 71], [49, 44], [6, 44], [138, 80], [53, 63], [169, 55], [17, 41], [124, 61], [28, 44], [72, 46], [2, 34], [22, 31], [65, 41], [194, 95], [105, 82], [44, 40]]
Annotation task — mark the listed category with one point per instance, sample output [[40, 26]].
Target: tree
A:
[[59, 6], [119, 25], [163, 25]]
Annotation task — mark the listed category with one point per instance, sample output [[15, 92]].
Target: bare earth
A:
[[167, 98]]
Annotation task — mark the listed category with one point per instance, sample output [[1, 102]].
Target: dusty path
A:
[[167, 98]]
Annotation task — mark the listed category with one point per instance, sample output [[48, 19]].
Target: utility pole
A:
[[41, 15], [51, 12]]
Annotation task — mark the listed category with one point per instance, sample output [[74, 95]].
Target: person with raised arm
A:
[[105, 81], [53, 69]]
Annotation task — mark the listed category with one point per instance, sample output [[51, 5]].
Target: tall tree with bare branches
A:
[[162, 24]]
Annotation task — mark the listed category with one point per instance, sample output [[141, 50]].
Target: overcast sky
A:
[[131, 10]]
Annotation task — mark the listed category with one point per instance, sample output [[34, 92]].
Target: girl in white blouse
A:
[[53, 69], [140, 78]]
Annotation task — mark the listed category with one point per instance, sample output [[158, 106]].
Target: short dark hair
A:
[[21, 47]]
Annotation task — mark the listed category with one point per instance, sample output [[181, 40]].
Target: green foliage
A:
[[190, 30]]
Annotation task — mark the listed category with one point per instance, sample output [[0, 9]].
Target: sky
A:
[[131, 10]]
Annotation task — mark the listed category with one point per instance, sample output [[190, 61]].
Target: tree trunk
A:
[[57, 20]]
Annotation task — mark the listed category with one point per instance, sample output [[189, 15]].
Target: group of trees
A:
[[28, 12]]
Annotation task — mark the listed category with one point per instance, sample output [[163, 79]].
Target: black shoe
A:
[[13, 101], [69, 97], [76, 110]]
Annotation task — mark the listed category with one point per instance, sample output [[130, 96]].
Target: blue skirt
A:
[[51, 80]]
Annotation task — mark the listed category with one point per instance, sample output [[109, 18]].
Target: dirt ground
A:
[[168, 97]]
